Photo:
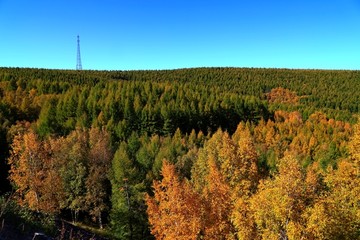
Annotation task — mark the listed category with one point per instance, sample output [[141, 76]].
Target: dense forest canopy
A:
[[139, 151]]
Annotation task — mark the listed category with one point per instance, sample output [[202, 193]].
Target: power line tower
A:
[[78, 60]]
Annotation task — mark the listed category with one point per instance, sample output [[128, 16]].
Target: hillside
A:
[[130, 151]]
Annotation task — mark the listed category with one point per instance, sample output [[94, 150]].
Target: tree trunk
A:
[[76, 215], [100, 221]]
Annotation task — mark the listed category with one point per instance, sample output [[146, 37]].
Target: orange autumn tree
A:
[[61, 172], [175, 211], [282, 95], [229, 165], [213, 177], [218, 206], [33, 172]]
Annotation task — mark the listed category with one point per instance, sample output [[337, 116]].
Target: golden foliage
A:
[[280, 202], [175, 211], [32, 171], [218, 206], [282, 95], [336, 215]]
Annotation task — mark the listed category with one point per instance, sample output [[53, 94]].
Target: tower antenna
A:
[[78, 60]]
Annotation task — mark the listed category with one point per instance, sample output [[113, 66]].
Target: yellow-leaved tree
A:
[[280, 202], [247, 177], [336, 214]]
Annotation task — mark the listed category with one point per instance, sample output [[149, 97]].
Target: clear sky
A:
[[168, 34]]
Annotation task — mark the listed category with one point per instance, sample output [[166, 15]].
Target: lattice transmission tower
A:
[[78, 59]]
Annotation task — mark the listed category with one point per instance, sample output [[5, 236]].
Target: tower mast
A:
[[78, 61]]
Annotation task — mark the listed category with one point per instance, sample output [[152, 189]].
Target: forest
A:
[[201, 153]]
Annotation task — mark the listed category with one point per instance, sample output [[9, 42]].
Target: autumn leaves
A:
[[62, 173], [273, 180], [228, 198], [204, 205]]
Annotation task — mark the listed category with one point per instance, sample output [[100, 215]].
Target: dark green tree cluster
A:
[[146, 107]]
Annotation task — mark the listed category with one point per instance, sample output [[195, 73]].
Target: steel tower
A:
[[78, 61]]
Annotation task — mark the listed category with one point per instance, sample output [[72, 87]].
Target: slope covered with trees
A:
[[185, 154]]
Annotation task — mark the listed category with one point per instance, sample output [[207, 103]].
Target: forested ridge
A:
[[203, 153]]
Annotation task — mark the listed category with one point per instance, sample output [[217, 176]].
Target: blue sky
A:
[[168, 34]]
